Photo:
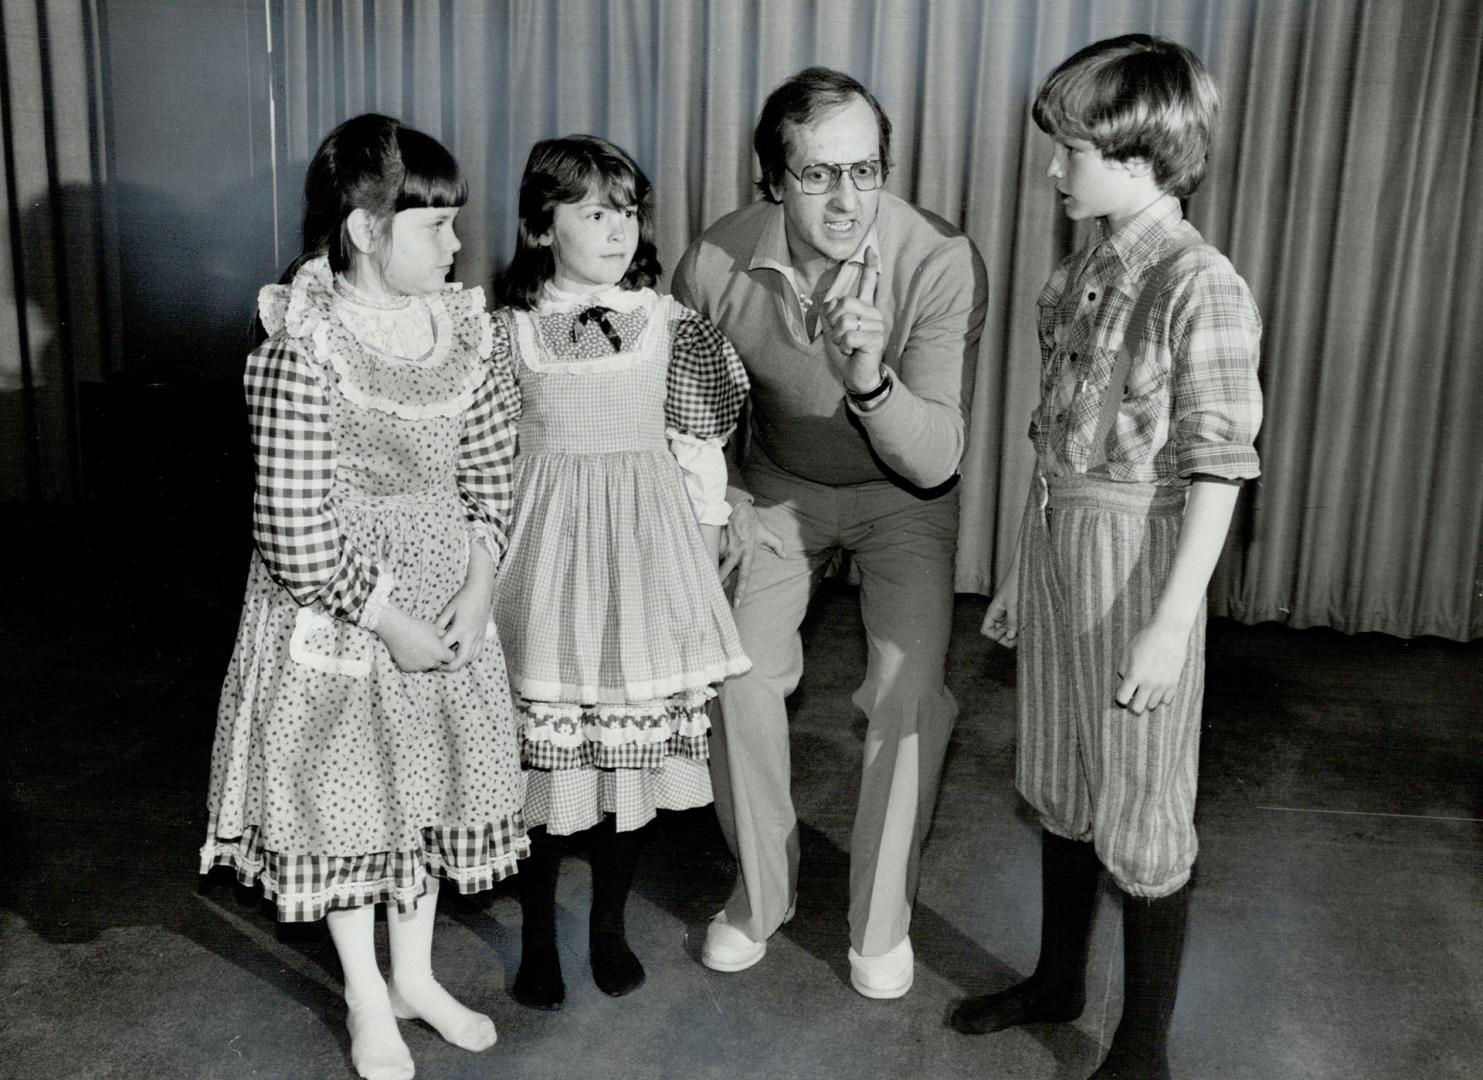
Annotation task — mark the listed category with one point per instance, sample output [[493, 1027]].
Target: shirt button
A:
[[1091, 295]]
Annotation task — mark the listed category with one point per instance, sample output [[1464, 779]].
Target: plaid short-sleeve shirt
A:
[[1191, 403]]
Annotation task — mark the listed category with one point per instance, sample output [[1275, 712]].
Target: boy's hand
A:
[[1148, 672], [1002, 620]]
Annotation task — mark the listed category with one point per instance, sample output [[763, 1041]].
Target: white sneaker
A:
[[886, 976], [728, 949]]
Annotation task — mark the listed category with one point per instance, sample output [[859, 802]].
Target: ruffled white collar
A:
[[555, 301]]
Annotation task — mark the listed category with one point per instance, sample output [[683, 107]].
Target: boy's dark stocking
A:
[[538, 983], [614, 856], [1153, 942], [1069, 874]]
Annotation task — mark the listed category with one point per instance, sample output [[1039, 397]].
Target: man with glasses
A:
[[858, 317]]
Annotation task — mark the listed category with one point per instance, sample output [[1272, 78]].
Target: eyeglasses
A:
[[822, 177]]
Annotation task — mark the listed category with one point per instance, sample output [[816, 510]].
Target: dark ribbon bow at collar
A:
[[599, 315]]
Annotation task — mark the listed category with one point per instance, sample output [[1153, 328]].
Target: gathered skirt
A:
[[337, 779], [615, 630]]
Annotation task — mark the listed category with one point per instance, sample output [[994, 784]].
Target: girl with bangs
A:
[[609, 605], [365, 742]]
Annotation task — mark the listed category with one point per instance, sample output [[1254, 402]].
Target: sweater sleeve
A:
[[920, 430]]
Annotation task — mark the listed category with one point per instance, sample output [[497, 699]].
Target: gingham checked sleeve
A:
[[486, 455], [707, 384], [1217, 402], [706, 388], [295, 523]]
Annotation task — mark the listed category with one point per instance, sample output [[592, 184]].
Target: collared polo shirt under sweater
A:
[[932, 294]]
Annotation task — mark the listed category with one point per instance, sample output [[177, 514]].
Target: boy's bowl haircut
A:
[[1135, 96]]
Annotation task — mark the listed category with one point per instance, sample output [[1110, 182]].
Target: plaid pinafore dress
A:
[[613, 620]]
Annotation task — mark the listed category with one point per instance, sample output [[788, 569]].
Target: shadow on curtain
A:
[[1340, 186]]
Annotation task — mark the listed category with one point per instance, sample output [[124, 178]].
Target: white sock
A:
[[376, 1047], [415, 994]]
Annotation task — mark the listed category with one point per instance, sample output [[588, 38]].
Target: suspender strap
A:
[[1117, 382]]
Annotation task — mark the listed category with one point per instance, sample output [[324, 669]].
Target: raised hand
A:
[[855, 331]]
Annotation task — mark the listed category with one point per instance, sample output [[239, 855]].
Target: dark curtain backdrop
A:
[[1343, 186]]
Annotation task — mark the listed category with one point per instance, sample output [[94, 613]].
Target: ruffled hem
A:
[[571, 800], [305, 888], [589, 755], [558, 735], [566, 725]]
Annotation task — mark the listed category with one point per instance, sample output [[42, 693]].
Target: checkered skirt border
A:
[[304, 888]]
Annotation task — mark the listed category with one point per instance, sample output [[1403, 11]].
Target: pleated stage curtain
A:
[[1343, 185]]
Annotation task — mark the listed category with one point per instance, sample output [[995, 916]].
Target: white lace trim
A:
[[554, 301], [313, 626], [456, 405], [307, 309], [490, 535], [542, 690], [379, 600], [563, 725], [537, 357], [408, 334]]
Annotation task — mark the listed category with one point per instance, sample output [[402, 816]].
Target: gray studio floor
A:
[[1336, 924]]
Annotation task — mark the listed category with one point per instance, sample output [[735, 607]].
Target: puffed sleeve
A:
[[707, 386], [486, 455], [295, 521]]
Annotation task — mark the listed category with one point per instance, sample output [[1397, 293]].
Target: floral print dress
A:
[[382, 445]]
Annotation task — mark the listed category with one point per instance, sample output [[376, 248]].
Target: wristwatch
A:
[[879, 390]]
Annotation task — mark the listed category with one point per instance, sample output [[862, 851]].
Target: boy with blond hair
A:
[[1148, 412]]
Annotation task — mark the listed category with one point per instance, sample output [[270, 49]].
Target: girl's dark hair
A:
[[377, 164], [565, 170], [798, 102]]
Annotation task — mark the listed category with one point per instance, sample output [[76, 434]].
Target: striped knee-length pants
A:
[[1094, 559]]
